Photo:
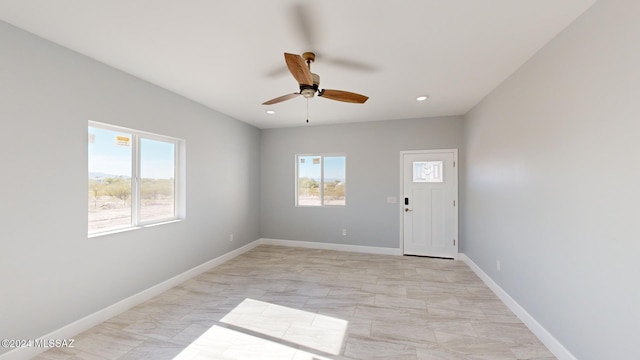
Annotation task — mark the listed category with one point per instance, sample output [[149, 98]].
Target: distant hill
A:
[[101, 175]]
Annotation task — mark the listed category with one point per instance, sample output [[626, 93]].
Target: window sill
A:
[[131, 228]]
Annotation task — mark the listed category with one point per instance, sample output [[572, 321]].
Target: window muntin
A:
[[320, 180], [132, 178]]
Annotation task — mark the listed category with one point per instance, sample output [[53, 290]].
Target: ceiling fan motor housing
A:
[[308, 91]]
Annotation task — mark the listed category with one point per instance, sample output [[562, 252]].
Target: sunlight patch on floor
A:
[[314, 331], [223, 343], [280, 323]]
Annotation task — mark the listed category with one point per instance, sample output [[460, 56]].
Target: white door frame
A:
[[401, 197]]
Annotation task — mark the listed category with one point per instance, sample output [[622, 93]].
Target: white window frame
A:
[[179, 174], [322, 156]]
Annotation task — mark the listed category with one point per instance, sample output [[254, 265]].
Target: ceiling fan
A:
[[300, 68]]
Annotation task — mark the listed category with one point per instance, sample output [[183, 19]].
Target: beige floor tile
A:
[[307, 304]]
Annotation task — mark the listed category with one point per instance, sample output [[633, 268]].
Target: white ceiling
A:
[[228, 54]]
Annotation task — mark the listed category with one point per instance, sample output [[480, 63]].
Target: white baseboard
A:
[[538, 330], [331, 246], [89, 321]]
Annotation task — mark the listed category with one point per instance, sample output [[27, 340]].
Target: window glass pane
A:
[[309, 178], [157, 180], [109, 179], [427, 171], [334, 180]]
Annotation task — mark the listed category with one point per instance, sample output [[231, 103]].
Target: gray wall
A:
[[373, 174], [552, 186], [52, 273]]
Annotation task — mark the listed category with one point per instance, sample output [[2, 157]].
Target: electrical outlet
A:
[[344, 232], [498, 265], [230, 237]]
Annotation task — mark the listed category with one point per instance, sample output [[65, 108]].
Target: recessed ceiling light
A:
[[422, 98], [270, 112]]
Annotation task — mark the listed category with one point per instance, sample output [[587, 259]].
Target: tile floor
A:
[[291, 303]]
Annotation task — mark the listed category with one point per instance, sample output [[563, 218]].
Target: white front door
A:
[[430, 203]]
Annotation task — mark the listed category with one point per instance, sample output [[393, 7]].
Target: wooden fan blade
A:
[[280, 99], [298, 69], [345, 96]]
